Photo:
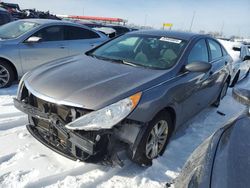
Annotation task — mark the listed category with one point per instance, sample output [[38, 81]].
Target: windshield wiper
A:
[[128, 63], [114, 60], [100, 57]]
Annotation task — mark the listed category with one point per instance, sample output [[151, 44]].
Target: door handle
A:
[[226, 63], [62, 47]]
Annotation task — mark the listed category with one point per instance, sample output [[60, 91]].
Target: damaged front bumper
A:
[[50, 130]]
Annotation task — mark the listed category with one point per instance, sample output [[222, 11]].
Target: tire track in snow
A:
[[11, 115], [17, 178], [11, 159], [6, 158], [46, 181], [10, 123]]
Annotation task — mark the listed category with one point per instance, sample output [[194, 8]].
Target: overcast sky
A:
[[230, 16]]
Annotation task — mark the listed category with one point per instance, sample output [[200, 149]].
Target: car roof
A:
[[174, 34], [44, 21], [3, 10]]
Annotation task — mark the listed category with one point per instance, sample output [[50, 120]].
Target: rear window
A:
[[4, 18]]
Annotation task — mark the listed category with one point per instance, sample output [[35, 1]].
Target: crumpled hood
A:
[[89, 82]]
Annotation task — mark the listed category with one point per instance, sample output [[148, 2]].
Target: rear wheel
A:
[[222, 94], [235, 80], [247, 73], [154, 139], [6, 75]]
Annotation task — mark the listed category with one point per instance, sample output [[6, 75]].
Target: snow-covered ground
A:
[[24, 162]]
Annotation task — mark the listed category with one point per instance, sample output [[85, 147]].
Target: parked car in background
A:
[[133, 91], [5, 16], [222, 161], [241, 60], [17, 13], [26, 44], [108, 31], [119, 29]]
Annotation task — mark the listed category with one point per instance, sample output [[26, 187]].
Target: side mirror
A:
[[198, 67], [236, 49], [247, 57], [33, 40]]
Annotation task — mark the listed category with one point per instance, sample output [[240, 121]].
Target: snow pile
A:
[[24, 162]]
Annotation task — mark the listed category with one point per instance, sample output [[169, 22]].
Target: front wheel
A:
[[154, 139]]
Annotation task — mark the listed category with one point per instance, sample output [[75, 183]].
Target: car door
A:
[[193, 89], [218, 73], [51, 46], [81, 39]]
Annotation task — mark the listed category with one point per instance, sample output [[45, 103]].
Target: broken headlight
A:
[[107, 117]]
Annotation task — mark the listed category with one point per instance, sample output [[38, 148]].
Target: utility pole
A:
[[192, 21], [145, 20], [222, 27], [83, 11]]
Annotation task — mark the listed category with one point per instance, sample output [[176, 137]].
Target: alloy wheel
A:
[[4, 76], [157, 139]]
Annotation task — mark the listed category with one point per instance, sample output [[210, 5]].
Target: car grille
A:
[[66, 113], [53, 132]]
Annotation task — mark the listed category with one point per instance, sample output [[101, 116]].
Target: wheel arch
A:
[[172, 112]]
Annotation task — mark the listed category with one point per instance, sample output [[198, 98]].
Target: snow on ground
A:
[[24, 162]]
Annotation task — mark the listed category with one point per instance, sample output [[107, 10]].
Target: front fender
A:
[[155, 100]]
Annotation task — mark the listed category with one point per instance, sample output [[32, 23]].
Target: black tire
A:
[[7, 73], [140, 156], [236, 78], [247, 74], [222, 94]]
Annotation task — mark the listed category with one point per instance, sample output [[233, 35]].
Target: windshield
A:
[[15, 29], [158, 52]]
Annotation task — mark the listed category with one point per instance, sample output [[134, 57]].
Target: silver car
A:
[[241, 60], [25, 44]]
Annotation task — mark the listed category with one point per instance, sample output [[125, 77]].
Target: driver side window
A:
[[199, 52], [52, 33]]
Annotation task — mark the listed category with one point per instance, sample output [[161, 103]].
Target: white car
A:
[[241, 60]]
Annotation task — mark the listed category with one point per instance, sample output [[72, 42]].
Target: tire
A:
[[223, 93], [7, 75], [145, 152], [236, 78], [247, 74]]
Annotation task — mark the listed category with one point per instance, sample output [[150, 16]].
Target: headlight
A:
[[107, 117]]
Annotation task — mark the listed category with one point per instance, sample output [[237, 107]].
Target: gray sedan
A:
[[25, 44], [133, 91]]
